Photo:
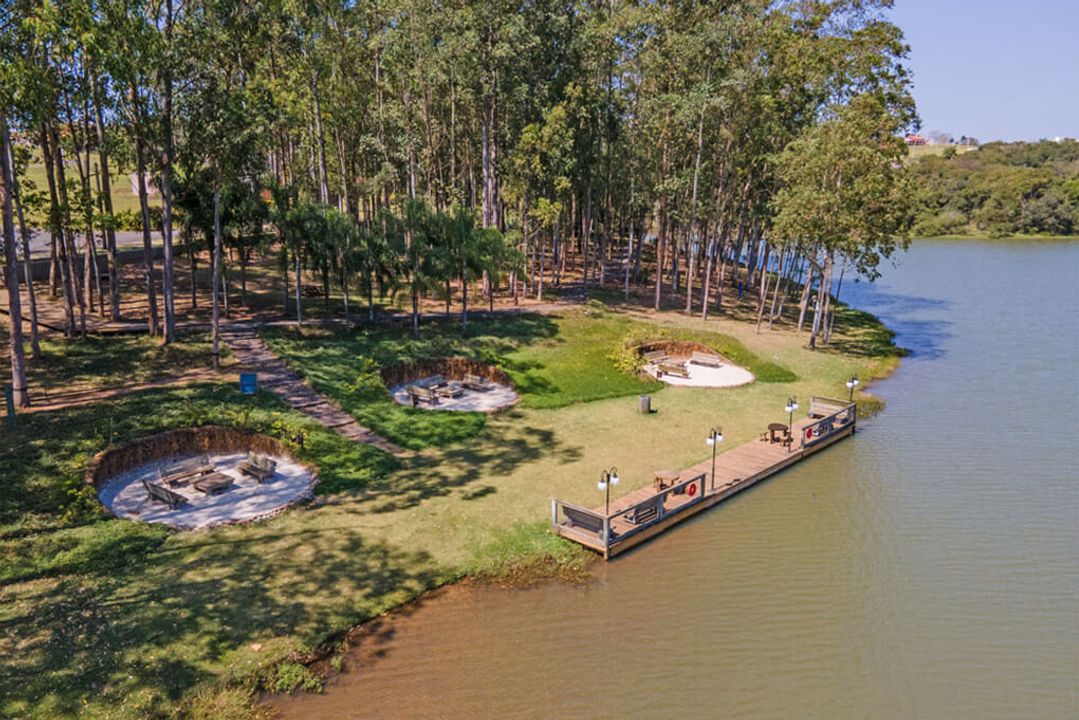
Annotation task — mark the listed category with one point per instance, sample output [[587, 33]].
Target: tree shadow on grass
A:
[[146, 637], [500, 451]]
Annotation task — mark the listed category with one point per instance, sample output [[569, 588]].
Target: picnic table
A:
[[665, 478], [773, 428]]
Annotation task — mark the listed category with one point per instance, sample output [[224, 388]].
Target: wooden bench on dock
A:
[[162, 494], [646, 511], [676, 369], [583, 520], [706, 359]]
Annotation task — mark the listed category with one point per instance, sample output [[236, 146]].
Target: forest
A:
[[1000, 190], [454, 149]]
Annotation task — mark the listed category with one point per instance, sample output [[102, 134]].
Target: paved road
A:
[[39, 240]]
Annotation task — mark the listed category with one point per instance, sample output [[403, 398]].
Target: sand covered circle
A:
[[453, 384], [691, 364], [121, 475]]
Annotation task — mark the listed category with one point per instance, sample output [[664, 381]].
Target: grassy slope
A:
[[112, 619]]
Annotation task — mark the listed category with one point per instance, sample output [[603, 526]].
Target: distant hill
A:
[[998, 189]]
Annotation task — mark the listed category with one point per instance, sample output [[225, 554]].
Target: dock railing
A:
[[607, 530], [831, 416]]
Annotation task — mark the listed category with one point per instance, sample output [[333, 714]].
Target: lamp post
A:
[[851, 384], [715, 437], [606, 479], [792, 405]]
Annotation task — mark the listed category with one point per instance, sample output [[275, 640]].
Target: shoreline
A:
[[522, 570]]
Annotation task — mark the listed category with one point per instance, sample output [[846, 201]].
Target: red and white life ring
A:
[[809, 433], [691, 490]]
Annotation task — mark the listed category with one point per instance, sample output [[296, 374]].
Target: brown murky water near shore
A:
[[927, 569]]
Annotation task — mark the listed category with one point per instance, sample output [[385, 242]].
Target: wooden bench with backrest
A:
[[584, 520], [163, 494], [449, 391], [672, 369], [183, 472], [655, 356], [258, 466], [419, 394], [646, 511], [706, 359], [476, 382]]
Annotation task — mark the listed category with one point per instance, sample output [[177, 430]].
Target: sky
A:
[[994, 69]]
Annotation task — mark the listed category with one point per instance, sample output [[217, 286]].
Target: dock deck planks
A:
[[736, 470]]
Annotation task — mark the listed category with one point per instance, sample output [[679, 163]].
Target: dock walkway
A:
[[649, 511]]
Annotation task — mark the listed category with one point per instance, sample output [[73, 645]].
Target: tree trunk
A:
[[216, 278], [67, 243], [153, 322], [167, 282], [106, 199], [35, 345], [11, 271]]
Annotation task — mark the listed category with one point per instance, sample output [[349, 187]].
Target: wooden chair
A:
[[163, 494], [449, 391], [259, 467], [476, 382], [419, 394]]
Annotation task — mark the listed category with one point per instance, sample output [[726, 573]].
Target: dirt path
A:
[[249, 350]]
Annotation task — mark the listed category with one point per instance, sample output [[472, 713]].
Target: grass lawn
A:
[[554, 361], [111, 618], [115, 360]]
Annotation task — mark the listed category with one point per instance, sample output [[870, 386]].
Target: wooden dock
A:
[[649, 511]]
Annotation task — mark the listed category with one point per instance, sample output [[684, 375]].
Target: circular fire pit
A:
[[201, 477], [691, 364], [450, 384]]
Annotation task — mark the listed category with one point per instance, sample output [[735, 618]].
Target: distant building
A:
[[913, 139]]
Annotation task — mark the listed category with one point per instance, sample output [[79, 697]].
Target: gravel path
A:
[[274, 375]]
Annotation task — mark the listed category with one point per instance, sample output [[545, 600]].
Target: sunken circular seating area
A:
[[450, 384], [200, 477]]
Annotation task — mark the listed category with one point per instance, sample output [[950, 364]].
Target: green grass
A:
[[111, 618], [553, 361], [115, 360]]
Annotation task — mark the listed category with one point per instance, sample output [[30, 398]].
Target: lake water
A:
[[927, 569]]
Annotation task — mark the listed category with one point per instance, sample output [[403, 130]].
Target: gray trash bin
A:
[[645, 407]]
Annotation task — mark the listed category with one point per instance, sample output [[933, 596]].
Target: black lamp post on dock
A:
[[715, 437], [792, 405], [606, 479], [851, 384]]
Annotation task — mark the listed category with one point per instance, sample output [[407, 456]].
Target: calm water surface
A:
[[928, 569]]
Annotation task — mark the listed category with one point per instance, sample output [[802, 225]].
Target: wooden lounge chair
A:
[[476, 382], [675, 369], [162, 494], [259, 467], [185, 471], [419, 394], [706, 359], [583, 520]]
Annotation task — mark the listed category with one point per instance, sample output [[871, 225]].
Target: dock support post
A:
[[554, 513]]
